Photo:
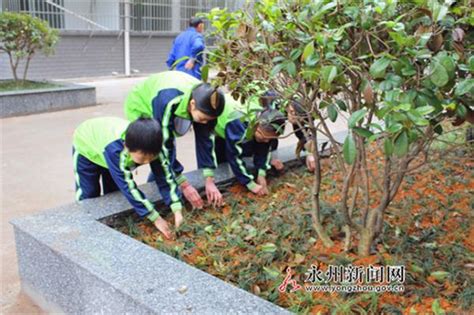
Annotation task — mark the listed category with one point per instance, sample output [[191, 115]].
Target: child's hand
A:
[[277, 164], [213, 194], [191, 194], [262, 181], [310, 163], [258, 190], [163, 227], [189, 64], [178, 219]]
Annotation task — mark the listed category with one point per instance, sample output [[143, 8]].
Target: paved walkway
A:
[[36, 171]]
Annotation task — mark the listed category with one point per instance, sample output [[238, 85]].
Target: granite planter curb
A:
[[65, 96], [70, 261]]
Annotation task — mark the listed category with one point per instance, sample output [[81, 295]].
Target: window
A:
[[150, 15], [41, 9]]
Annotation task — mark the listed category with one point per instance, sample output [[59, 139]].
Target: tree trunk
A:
[[327, 242], [13, 66], [26, 66], [365, 241], [347, 237], [316, 213]]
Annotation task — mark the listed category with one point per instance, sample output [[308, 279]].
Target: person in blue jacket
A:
[[189, 43], [107, 150]]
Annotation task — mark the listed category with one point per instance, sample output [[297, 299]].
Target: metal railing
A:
[[146, 15]]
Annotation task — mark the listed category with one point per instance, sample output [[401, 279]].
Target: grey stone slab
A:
[[70, 261], [66, 96]]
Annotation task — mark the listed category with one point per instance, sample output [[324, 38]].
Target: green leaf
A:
[[205, 72], [395, 128], [312, 60], [308, 51], [437, 309], [425, 110], [409, 71], [461, 111], [332, 112], [363, 132], [178, 61], [278, 59], [328, 74], [400, 38], [377, 126], [271, 272], [464, 87], [323, 104], [419, 120], [388, 147], [438, 10], [404, 107], [269, 248], [440, 275], [252, 232], [295, 54], [341, 105], [448, 65], [291, 69], [417, 269], [391, 81], [349, 149], [356, 117], [439, 76], [374, 137], [401, 144], [277, 69], [377, 69], [209, 229]]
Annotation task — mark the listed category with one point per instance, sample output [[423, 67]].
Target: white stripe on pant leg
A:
[[76, 176]]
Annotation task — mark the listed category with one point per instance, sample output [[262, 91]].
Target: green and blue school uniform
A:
[[165, 96], [99, 153], [236, 141]]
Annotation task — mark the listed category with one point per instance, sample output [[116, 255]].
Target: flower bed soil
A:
[[251, 241]]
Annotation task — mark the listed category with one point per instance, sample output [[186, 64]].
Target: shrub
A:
[[21, 36]]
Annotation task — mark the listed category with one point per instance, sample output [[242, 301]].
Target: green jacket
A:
[[234, 109], [90, 141], [101, 141], [165, 96], [139, 102]]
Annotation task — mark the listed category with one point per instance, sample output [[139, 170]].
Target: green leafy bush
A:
[[21, 36], [395, 70]]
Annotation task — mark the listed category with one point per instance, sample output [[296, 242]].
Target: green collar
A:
[[182, 110]]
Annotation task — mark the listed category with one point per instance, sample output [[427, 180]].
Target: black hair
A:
[[144, 134], [300, 111], [272, 120], [270, 99], [267, 100], [209, 100], [195, 21]]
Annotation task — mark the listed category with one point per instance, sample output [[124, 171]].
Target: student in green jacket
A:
[[238, 139], [107, 149], [178, 101]]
